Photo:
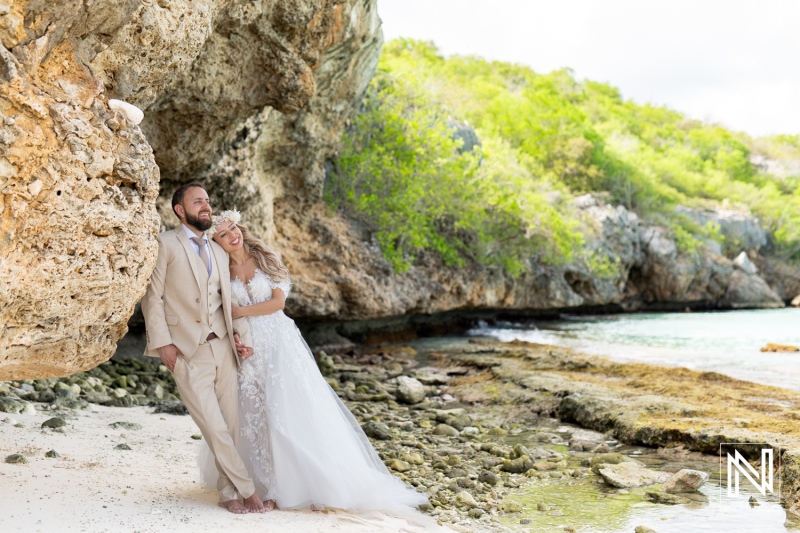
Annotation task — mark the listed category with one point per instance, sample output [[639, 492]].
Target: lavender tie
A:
[[201, 245]]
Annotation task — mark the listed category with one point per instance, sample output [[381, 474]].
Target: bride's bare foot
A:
[[270, 505], [234, 507], [253, 504]]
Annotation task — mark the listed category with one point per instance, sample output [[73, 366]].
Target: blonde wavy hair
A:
[[268, 260]]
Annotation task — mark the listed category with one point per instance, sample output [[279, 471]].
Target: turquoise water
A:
[[727, 342]]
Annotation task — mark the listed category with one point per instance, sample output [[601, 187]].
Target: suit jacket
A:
[[174, 304]]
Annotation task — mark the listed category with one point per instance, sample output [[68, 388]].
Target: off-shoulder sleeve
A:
[[284, 284]]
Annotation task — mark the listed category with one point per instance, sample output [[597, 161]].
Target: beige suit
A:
[[182, 305]]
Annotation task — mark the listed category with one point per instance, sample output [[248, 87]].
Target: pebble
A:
[[445, 430], [16, 459], [54, 423], [52, 454], [132, 426], [122, 447], [197, 437], [377, 430]]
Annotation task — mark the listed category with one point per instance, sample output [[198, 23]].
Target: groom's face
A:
[[196, 208]]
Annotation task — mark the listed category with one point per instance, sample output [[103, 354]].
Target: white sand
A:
[[153, 487]]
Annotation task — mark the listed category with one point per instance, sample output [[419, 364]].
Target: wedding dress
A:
[[301, 444]]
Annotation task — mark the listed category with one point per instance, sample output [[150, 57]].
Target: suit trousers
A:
[[207, 383]]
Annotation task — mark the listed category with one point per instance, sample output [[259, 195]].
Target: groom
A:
[[187, 315]]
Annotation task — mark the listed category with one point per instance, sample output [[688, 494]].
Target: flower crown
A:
[[225, 216]]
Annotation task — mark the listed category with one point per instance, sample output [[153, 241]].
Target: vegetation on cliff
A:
[[410, 171]]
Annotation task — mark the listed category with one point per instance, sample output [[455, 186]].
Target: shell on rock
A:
[[130, 111]]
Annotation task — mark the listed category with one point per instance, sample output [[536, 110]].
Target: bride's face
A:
[[228, 236]]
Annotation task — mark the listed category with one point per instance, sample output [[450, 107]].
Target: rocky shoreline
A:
[[470, 422]]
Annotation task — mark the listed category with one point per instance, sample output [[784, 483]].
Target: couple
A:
[[276, 431]]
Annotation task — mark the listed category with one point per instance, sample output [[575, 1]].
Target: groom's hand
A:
[[169, 354], [243, 351]]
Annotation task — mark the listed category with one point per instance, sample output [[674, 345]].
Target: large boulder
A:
[[250, 97], [78, 185]]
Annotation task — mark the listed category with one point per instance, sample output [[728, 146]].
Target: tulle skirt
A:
[[301, 444]]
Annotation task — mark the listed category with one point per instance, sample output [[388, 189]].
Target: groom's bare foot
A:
[[234, 507], [253, 504], [270, 505]]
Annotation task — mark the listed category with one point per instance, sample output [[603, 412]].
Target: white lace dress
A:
[[299, 441]]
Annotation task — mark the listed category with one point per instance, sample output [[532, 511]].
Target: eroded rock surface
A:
[[249, 96], [78, 185]]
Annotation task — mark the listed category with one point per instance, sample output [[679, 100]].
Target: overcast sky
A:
[[730, 61]]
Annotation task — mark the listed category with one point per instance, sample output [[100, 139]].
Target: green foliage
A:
[[402, 171], [544, 137]]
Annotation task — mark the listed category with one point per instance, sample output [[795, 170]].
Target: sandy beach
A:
[[154, 486]]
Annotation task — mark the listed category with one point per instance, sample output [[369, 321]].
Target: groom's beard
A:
[[201, 224]]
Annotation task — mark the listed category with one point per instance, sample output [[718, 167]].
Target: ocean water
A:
[[724, 341]]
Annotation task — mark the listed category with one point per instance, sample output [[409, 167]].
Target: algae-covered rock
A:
[[377, 430], [664, 498]]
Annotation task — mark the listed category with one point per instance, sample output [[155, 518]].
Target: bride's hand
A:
[[236, 311]]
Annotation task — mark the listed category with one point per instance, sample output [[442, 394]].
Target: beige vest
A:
[[214, 318]]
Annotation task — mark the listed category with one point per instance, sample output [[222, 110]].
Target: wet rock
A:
[[16, 459], [544, 466], [630, 474], [132, 426], [601, 448], [54, 423], [685, 480], [122, 447], [52, 454], [497, 432], [664, 498], [644, 529], [543, 507], [444, 429], [377, 430], [410, 390]]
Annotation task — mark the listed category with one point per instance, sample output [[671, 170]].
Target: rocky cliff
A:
[[250, 96]]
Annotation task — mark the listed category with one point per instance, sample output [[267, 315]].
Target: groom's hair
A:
[[179, 194]]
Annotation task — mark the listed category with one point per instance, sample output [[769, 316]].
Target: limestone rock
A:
[[626, 475], [77, 213], [743, 263], [685, 480], [249, 97], [410, 390]]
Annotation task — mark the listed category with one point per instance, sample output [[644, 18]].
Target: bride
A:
[[302, 445]]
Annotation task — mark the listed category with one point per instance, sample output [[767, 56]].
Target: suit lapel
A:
[[189, 249]]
